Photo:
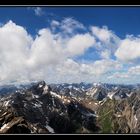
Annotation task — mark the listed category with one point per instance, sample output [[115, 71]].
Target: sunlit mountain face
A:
[[69, 70], [38, 108]]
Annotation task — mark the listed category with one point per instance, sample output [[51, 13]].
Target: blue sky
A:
[[91, 44], [119, 19]]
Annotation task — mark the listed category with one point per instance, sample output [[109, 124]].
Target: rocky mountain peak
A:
[[70, 108], [40, 110]]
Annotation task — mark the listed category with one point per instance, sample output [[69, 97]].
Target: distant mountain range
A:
[[69, 108]]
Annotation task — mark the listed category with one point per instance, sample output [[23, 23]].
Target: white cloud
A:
[[107, 41], [119, 75], [67, 25], [54, 24], [38, 11], [129, 74], [128, 50], [25, 59], [68, 67], [14, 49], [102, 34], [21, 57], [134, 70], [105, 54], [51, 56], [79, 43], [78, 72], [43, 49], [104, 66]]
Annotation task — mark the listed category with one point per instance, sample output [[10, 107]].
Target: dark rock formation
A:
[[39, 110]]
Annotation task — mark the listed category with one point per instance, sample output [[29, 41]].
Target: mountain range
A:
[[40, 108]]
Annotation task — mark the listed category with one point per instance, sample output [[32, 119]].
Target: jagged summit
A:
[[69, 108], [40, 110]]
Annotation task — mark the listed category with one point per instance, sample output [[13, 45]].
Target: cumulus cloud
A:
[[79, 43], [23, 58], [129, 50], [53, 57], [103, 66], [86, 71], [44, 49], [14, 49], [102, 34], [107, 41]]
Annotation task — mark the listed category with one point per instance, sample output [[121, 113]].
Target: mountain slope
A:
[[40, 110], [70, 108], [120, 116]]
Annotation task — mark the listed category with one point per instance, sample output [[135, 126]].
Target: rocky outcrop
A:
[[120, 116], [70, 108], [39, 110]]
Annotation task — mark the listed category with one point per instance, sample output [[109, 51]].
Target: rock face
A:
[[70, 108], [102, 91], [72, 90], [120, 116], [40, 110]]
